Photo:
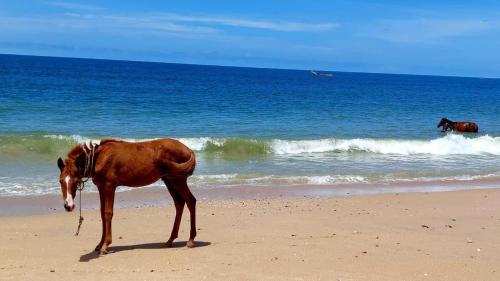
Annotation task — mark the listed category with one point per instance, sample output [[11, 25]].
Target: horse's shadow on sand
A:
[[160, 245]]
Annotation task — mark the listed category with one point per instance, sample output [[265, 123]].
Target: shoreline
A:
[[395, 236], [157, 197]]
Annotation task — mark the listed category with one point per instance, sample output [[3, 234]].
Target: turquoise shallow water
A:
[[248, 126]]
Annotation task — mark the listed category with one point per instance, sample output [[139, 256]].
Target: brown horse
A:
[[449, 125], [115, 163]]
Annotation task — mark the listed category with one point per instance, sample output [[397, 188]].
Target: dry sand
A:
[[410, 236]]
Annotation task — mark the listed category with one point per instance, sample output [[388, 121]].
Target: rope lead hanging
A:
[[87, 173], [80, 220]]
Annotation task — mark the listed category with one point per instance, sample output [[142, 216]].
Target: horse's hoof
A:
[[168, 244], [190, 244], [98, 247], [105, 252]]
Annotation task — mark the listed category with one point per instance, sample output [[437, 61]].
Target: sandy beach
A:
[[398, 236], [317, 140]]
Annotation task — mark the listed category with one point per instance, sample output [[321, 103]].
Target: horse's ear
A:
[[60, 164]]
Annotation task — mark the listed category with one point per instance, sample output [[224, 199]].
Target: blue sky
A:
[[418, 37]]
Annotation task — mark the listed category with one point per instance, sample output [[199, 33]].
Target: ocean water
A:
[[252, 127]]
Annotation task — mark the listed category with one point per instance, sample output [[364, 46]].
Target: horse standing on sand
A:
[[449, 125], [114, 163]]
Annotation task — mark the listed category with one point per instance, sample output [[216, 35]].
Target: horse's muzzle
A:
[[68, 208]]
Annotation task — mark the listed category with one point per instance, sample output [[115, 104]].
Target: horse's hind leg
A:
[[179, 208], [183, 189]]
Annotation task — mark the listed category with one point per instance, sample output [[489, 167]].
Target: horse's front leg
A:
[[103, 220], [107, 216]]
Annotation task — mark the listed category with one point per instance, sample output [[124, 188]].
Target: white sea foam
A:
[[47, 185], [83, 139], [235, 179], [447, 145], [451, 144], [193, 143], [74, 138], [335, 179], [391, 179], [303, 146], [198, 144]]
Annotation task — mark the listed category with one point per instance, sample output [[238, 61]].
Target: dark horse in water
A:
[[449, 125], [115, 163]]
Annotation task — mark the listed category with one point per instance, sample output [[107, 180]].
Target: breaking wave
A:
[[42, 146]]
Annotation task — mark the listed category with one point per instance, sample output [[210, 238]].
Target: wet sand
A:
[[397, 236], [159, 196]]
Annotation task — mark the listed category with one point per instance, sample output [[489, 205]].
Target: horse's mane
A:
[[76, 157], [75, 152]]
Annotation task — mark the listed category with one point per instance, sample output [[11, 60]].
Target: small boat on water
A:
[[318, 73]]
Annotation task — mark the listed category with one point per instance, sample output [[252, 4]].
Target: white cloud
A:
[[155, 24], [75, 6], [100, 23], [87, 18], [425, 30], [253, 23], [169, 20], [172, 23]]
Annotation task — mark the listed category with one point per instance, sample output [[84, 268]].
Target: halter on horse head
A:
[[76, 170]]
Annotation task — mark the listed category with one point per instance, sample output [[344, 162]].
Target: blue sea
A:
[[248, 126]]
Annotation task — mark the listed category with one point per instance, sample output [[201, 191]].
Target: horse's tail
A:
[[183, 169]]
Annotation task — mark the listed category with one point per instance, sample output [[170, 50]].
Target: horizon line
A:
[[253, 67]]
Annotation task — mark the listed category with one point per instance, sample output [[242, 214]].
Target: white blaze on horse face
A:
[[69, 198]]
